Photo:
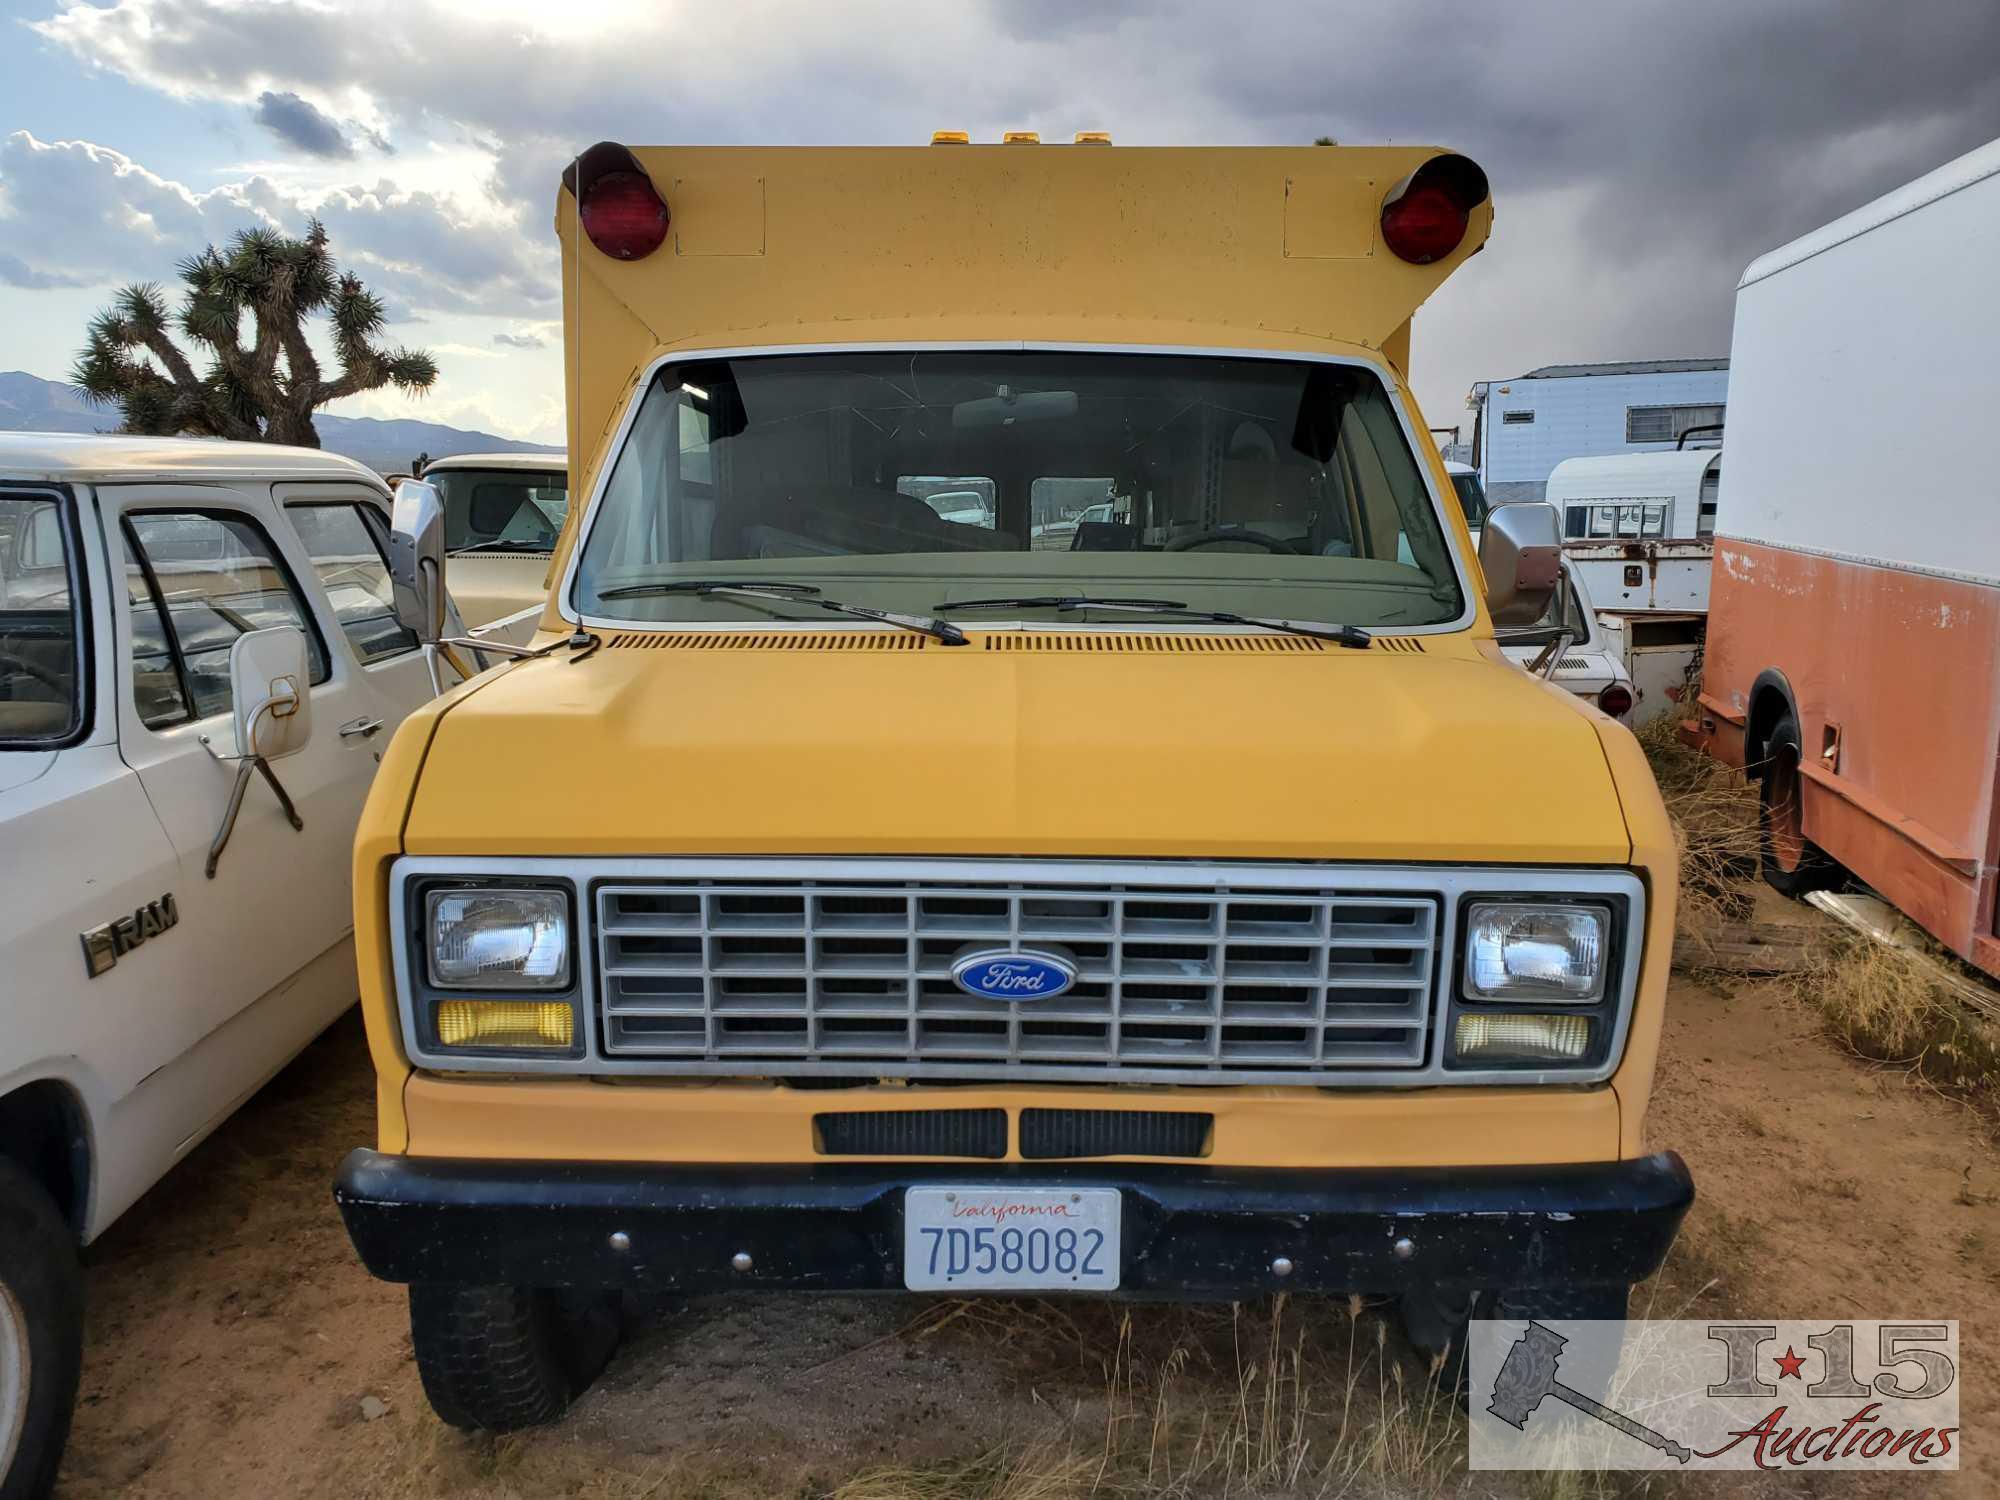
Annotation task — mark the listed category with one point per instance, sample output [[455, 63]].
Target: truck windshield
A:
[[1271, 487], [500, 510], [39, 704]]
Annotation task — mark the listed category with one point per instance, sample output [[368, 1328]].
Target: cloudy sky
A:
[[1641, 154]]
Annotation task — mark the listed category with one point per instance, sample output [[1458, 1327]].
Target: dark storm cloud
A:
[[1641, 152], [1735, 122], [300, 124], [1662, 146]]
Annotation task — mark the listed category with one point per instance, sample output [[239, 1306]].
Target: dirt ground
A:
[[235, 1347]]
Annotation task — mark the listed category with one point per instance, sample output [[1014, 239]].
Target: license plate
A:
[[1010, 1239]]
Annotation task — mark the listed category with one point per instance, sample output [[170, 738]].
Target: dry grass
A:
[[1713, 808], [1887, 1004], [1308, 1399], [1900, 1005]]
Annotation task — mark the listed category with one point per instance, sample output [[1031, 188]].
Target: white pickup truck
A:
[[199, 665], [503, 513], [1585, 660]]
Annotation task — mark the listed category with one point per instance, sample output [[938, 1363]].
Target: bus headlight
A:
[[1534, 952], [495, 939]]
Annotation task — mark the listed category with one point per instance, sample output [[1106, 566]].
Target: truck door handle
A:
[[360, 729]]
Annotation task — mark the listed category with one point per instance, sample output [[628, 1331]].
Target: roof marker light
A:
[[1425, 216], [1093, 138], [949, 138], [623, 214], [1021, 138]]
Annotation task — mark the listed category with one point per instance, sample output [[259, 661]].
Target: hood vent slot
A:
[[1152, 645], [768, 640], [1408, 645]]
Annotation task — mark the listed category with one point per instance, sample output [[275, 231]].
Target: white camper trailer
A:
[[1638, 527]]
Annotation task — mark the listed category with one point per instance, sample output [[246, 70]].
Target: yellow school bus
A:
[[1027, 798]]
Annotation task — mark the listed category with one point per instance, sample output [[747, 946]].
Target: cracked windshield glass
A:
[[917, 481]]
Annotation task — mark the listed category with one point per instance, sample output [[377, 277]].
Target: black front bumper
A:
[[1188, 1232]]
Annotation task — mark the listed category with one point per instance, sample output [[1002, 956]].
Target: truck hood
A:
[[782, 743]]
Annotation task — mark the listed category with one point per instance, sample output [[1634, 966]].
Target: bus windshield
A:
[[907, 480]]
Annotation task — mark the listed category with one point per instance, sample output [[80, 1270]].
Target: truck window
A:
[[501, 510], [347, 552], [1263, 486], [207, 578], [41, 701], [1471, 499], [962, 499], [1707, 498], [1057, 503]]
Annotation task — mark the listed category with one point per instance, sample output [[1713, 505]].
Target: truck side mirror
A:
[[270, 679], [416, 560], [1520, 552]]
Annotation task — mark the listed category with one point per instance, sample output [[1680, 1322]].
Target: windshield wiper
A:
[[789, 593], [502, 543], [1346, 635]]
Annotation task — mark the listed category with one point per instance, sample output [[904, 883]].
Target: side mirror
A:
[[1520, 552], [416, 559], [271, 679]]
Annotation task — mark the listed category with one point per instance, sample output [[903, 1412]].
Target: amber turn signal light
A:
[[535, 1024]]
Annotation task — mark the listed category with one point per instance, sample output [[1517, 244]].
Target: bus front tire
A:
[[500, 1358]]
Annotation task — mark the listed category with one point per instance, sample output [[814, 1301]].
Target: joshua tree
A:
[[266, 389]]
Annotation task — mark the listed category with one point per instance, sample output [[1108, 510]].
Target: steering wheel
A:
[[1210, 538], [12, 663]]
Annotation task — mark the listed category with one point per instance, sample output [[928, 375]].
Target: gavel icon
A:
[[1529, 1373]]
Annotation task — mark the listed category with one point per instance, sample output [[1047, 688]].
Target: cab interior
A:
[[826, 455]]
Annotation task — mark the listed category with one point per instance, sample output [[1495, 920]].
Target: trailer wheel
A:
[[41, 1334], [499, 1358], [1438, 1324], [1792, 863]]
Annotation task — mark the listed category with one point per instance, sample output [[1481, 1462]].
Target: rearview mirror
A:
[[1520, 552], [270, 680], [416, 559], [1009, 407]]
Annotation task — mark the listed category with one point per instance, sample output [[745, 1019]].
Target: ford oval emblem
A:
[[999, 974]]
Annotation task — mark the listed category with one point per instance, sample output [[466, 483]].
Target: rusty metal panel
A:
[[1900, 670]]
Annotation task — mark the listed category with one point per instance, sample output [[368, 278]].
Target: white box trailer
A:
[[1853, 659]]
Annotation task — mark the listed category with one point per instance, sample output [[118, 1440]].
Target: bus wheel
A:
[[499, 1358], [1792, 863], [41, 1334]]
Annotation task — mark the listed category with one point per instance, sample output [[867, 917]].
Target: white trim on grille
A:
[[1233, 973]]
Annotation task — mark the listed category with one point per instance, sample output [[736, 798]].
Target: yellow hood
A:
[[1261, 747]]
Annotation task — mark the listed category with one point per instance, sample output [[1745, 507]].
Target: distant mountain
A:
[[31, 404]]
